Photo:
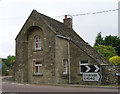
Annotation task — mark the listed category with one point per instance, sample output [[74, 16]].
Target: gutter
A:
[[63, 37], [68, 53]]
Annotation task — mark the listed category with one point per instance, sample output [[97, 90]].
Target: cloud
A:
[[15, 12]]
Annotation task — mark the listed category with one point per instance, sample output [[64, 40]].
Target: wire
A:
[[95, 12], [92, 13], [82, 14]]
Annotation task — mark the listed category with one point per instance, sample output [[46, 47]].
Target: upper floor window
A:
[[37, 43]]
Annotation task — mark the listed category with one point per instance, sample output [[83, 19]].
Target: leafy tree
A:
[[106, 51], [115, 60], [4, 69], [7, 64], [99, 39], [113, 41], [9, 61]]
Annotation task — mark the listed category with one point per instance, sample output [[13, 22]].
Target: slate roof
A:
[[61, 29]]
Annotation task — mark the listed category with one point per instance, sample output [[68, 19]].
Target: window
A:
[[65, 61], [83, 62], [37, 43], [37, 68]]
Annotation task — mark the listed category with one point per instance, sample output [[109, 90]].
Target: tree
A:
[[10, 61], [4, 69], [106, 51], [7, 64], [99, 39], [115, 60], [113, 41]]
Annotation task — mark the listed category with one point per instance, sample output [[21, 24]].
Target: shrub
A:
[[115, 60]]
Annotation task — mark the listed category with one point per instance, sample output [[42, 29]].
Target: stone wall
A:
[[109, 74], [76, 56], [25, 53], [61, 53]]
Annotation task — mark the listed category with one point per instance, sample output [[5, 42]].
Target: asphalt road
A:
[[16, 87]]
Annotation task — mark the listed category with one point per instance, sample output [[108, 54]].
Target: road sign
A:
[[0, 66], [90, 68], [0, 63], [92, 76], [117, 74]]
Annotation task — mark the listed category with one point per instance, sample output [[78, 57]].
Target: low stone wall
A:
[[109, 76]]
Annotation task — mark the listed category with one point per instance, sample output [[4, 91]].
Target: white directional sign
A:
[[90, 68], [92, 77], [118, 74]]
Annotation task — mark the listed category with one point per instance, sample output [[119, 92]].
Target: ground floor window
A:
[[37, 68], [83, 62], [65, 62]]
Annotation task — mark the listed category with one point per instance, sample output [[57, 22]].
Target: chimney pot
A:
[[65, 16], [67, 21]]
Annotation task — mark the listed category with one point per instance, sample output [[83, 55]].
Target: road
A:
[[16, 87]]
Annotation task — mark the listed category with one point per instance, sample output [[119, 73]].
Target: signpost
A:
[[0, 75], [92, 77], [91, 72], [90, 68]]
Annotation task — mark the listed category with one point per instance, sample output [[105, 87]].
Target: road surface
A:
[[16, 87]]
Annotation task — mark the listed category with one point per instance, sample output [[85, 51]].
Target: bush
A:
[[115, 60], [5, 71], [106, 51]]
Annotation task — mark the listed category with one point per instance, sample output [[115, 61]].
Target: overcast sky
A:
[[14, 13]]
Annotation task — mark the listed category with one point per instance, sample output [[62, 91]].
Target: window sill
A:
[[36, 50], [65, 74], [80, 74], [36, 74]]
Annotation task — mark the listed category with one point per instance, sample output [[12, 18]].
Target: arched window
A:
[[37, 43]]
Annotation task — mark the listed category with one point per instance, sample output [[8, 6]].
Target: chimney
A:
[[67, 21]]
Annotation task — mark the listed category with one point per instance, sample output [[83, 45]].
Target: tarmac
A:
[[9, 79]]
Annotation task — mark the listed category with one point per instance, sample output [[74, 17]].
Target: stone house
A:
[[51, 52]]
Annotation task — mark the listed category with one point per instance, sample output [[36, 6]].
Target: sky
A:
[[14, 13]]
